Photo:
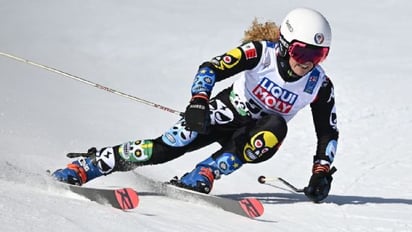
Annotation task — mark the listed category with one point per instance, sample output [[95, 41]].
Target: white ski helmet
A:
[[307, 26]]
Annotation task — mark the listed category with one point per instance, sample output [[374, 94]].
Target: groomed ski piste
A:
[[151, 49]]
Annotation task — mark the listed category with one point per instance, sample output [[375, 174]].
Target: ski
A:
[[128, 198], [121, 198], [249, 207]]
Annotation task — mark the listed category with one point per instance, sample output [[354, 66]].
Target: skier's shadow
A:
[[288, 198]]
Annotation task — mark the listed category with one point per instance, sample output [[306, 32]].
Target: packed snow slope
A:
[[151, 49]]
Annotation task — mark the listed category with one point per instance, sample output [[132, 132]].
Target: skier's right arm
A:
[[239, 59]]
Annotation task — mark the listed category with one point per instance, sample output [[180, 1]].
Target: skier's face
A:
[[300, 69]]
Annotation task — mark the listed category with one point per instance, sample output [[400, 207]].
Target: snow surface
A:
[[151, 49]]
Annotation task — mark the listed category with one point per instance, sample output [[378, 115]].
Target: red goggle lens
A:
[[302, 52]]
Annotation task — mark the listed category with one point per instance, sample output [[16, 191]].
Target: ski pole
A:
[[65, 74], [264, 180]]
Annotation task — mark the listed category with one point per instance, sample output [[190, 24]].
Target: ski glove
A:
[[319, 183], [197, 114]]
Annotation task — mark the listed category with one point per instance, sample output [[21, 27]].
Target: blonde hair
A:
[[261, 31]]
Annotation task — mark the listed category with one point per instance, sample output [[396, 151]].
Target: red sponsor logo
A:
[[249, 50], [274, 97]]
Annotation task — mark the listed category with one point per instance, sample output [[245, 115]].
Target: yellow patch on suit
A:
[[259, 144], [228, 60]]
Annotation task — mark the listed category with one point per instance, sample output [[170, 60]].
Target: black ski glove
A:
[[319, 183], [197, 114]]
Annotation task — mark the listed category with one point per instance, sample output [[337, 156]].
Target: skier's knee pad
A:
[[264, 139], [178, 136]]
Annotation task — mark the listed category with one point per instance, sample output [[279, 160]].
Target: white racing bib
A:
[[263, 91]]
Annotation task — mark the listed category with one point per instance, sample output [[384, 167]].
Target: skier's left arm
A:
[[325, 121]]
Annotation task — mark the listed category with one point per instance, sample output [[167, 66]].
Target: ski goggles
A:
[[303, 52]]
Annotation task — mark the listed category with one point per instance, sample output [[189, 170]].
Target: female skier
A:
[[279, 75]]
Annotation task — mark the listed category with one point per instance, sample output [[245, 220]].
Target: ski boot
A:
[[80, 171], [202, 177], [199, 179]]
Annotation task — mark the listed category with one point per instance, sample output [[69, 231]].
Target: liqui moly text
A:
[[274, 97]]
